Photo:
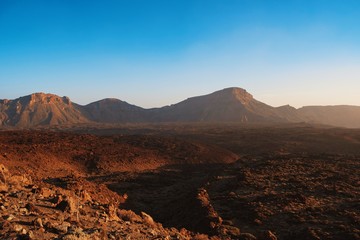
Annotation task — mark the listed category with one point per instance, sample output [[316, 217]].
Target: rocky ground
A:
[[32, 211], [282, 196], [296, 197], [181, 182]]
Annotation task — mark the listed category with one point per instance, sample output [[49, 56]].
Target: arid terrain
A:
[[180, 120], [180, 181]]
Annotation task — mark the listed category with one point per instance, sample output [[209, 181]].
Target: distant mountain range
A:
[[227, 105]]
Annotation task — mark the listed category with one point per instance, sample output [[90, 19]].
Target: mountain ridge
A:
[[227, 105]]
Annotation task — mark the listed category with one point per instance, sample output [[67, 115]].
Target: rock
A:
[[4, 173], [23, 211], [31, 235], [75, 237], [19, 181], [9, 217], [246, 236], [76, 234], [17, 228], [258, 222], [5, 225], [200, 236], [112, 213], [3, 188], [230, 230], [38, 223], [56, 199], [85, 196], [148, 219], [67, 205], [128, 215], [153, 232], [62, 228], [46, 192], [31, 207], [268, 235], [48, 225]]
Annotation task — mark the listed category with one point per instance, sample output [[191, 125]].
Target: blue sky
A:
[[159, 52]]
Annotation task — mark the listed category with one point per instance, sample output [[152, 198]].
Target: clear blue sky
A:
[[159, 52]]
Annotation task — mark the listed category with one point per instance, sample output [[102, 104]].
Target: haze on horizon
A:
[[155, 53]]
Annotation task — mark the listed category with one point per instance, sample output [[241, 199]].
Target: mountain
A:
[[40, 109], [111, 110], [227, 105], [342, 115], [234, 105], [289, 113]]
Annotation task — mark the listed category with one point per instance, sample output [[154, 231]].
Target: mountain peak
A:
[[237, 93], [41, 97], [110, 100]]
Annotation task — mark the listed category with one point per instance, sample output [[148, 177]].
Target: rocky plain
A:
[[180, 181]]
